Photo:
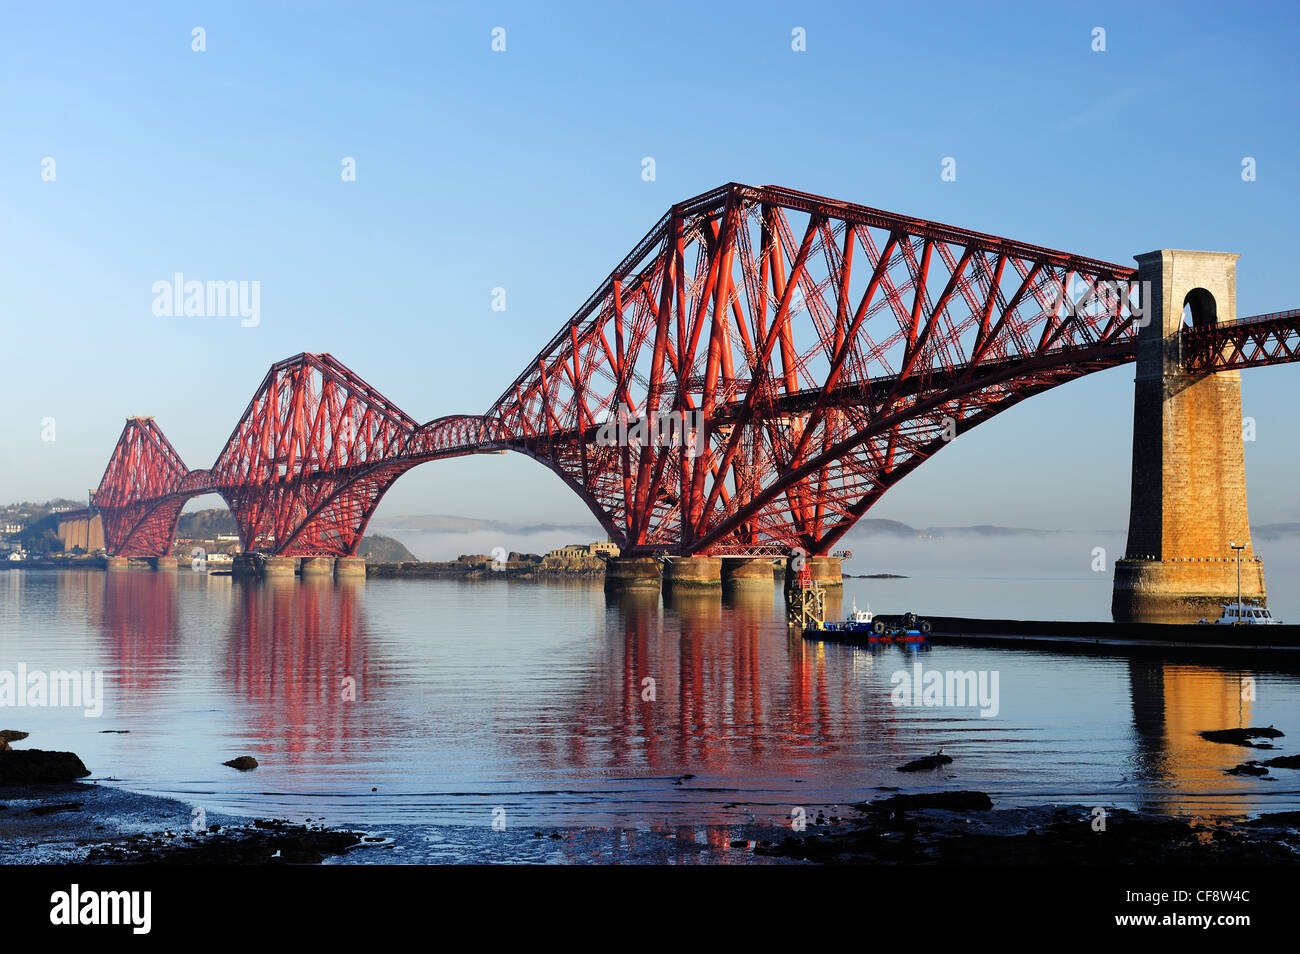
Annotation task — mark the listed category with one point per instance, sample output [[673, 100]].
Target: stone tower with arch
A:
[[1188, 504]]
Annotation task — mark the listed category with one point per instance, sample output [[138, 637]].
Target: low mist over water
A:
[[992, 572]]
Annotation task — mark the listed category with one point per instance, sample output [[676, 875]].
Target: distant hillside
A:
[[895, 528], [1275, 531], [446, 523], [377, 549], [208, 524], [205, 524], [884, 528], [987, 530]]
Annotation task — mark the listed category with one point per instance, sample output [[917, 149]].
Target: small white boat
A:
[[861, 617], [1243, 614]]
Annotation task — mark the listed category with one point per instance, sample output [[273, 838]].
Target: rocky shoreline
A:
[[964, 828], [88, 823], [49, 816]]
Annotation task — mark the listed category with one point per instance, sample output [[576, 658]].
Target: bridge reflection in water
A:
[[470, 695]]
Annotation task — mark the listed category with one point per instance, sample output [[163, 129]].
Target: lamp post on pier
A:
[[1238, 547]]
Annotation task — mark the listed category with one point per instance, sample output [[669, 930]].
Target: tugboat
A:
[[861, 623], [1242, 614]]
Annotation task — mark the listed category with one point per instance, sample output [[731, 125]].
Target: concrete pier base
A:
[[693, 573], [279, 567], [631, 573], [350, 568], [243, 565], [834, 605], [117, 563], [824, 571], [163, 563], [317, 567], [743, 573], [1183, 591]]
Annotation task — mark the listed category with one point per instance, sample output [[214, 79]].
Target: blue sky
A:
[[522, 169]]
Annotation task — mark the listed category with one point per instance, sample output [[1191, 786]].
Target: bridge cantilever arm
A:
[[1087, 359]]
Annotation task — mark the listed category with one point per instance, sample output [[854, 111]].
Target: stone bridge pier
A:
[[1188, 504]]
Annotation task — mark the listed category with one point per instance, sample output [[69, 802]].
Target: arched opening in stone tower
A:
[[1199, 309]]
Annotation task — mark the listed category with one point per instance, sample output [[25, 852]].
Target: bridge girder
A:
[[810, 352]]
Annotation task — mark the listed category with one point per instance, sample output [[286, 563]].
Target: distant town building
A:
[[578, 550], [11, 528]]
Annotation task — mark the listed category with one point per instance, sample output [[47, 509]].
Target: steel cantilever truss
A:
[[139, 497], [302, 472], [810, 353], [827, 350]]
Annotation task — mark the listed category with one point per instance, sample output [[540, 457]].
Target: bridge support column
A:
[[824, 569], [693, 573], [279, 567], [117, 563], [243, 565], [1188, 503], [163, 562], [749, 574], [624, 574], [350, 568], [317, 567]]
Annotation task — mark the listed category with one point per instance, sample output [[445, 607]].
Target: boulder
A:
[[952, 801], [1283, 761], [927, 762], [1241, 736], [244, 763], [38, 767], [1247, 768]]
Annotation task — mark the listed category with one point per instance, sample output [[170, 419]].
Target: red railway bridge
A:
[[805, 353]]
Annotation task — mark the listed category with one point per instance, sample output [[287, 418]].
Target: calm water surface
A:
[[474, 695]]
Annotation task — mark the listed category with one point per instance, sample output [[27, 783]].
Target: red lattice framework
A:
[[1244, 343], [302, 472], [815, 353]]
